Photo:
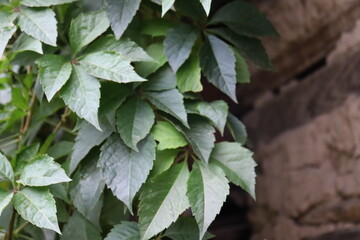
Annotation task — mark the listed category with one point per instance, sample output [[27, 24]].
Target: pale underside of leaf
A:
[[5, 35], [27, 43], [124, 231], [45, 3], [6, 171], [5, 199], [166, 5]]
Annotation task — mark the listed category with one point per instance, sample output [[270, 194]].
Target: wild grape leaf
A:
[[156, 51], [178, 44], [45, 3], [54, 72], [37, 206], [39, 23], [27, 43], [120, 14], [171, 102], [188, 77], [245, 19], [237, 129], [168, 136], [124, 231], [164, 160], [5, 199], [86, 28], [217, 61], [42, 171], [163, 79], [60, 149], [126, 48], [82, 95], [134, 120], [192, 9], [216, 112], [156, 27], [125, 170], [207, 5], [24, 156], [6, 171], [237, 163], [241, 68], [166, 5], [112, 96], [6, 33], [7, 18], [19, 99], [185, 228], [109, 66], [162, 201], [80, 229], [207, 191]]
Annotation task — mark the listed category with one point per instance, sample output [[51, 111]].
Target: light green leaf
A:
[[207, 5], [163, 79], [109, 66], [120, 14], [178, 44], [5, 199], [134, 120], [61, 149], [241, 68], [24, 156], [126, 48], [188, 77], [217, 61], [45, 3], [18, 99], [237, 163], [39, 23], [125, 170], [86, 28], [78, 228], [207, 191], [245, 19], [43, 171], [124, 231], [164, 160], [82, 95], [27, 43], [7, 18], [216, 112], [200, 135], [237, 129], [37, 206], [54, 72], [162, 201], [166, 5], [156, 51], [171, 102], [6, 171], [6, 33], [185, 228], [156, 27], [167, 136]]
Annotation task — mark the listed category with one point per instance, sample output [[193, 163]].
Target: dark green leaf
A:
[[60, 149], [185, 228], [242, 70], [45, 3], [6, 171], [27, 43], [163, 79], [18, 98], [237, 129], [207, 5], [80, 229], [5, 199], [124, 231], [112, 96], [156, 27], [192, 9], [24, 156], [167, 136], [188, 77], [156, 51]]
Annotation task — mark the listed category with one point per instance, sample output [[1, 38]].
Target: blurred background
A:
[[304, 127]]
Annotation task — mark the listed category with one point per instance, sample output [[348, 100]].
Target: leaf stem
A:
[[9, 233], [21, 227]]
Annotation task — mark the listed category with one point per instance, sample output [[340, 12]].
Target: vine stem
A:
[[9, 233], [21, 227]]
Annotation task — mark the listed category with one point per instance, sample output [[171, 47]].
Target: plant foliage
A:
[[102, 120]]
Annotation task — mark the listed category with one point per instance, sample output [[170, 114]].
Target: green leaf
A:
[[245, 19], [24, 156], [120, 14], [207, 5], [39, 23], [250, 48], [167, 136], [207, 191], [54, 72], [185, 228], [5, 199], [163, 79], [216, 112], [86, 190], [7, 18], [166, 5], [125, 170], [134, 120], [188, 77], [171, 102], [124, 231], [162, 201], [45, 3], [80, 229], [82, 95], [86, 28], [126, 48], [61, 149], [109, 66], [164, 160], [27, 43], [178, 44], [237, 163], [156, 51], [6, 171], [200, 135], [87, 138], [37, 206], [156, 27], [5, 35], [192, 9], [112, 96], [241, 68], [42, 171], [237, 129], [18, 98]]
